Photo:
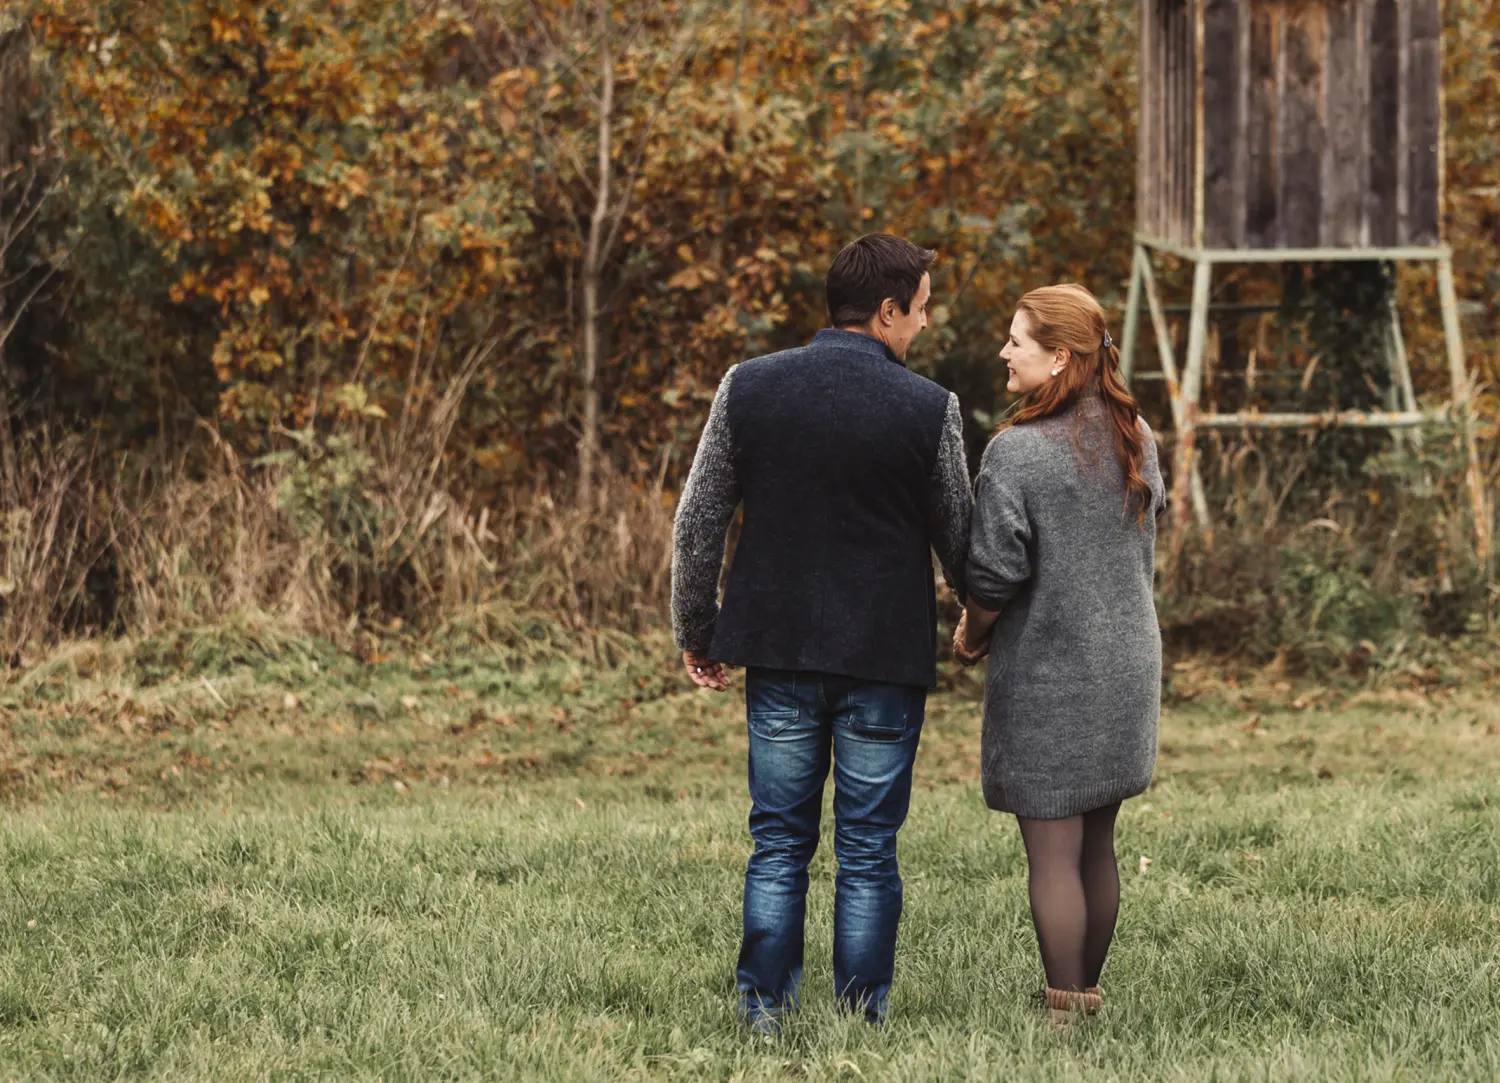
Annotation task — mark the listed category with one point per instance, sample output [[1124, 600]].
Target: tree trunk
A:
[[15, 63], [588, 444]]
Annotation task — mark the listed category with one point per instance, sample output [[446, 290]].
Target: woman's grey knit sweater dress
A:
[[1073, 690]]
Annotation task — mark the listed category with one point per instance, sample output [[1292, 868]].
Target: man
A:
[[851, 471]]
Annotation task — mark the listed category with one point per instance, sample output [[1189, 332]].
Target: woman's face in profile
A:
[[1030, 365]]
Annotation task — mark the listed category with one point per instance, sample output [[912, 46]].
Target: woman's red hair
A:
[[1068, 317]]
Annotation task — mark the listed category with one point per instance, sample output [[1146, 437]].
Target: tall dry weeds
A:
[[1322, 572], [54, 531], [362, 530], [342, 533]]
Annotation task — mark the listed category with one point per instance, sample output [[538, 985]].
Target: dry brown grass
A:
[[1324, 572], [362, 532], [345, 536]]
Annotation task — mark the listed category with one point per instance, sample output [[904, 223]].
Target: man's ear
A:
[[887, 313]]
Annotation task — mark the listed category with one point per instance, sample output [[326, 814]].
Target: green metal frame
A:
[[1184, 387], [1411, 254]]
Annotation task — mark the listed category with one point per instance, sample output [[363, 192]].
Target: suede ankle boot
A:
[[1068, 1005]]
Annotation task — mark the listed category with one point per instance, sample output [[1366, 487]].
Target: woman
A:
[[1060, 597]]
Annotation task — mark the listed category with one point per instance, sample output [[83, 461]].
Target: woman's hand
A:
[[963, 652]]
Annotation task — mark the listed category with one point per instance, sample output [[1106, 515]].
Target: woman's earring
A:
[[1056, 371]]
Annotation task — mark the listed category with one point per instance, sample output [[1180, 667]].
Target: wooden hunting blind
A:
[[1289, 131]]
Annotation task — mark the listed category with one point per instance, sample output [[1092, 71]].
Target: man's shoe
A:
[[762, 1017], [761, 1023]]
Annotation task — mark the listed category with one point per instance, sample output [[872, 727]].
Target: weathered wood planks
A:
[[1321, 123]]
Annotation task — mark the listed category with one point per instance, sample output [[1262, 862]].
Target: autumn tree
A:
[[283, 210], [600, 81], [337, 209], [28, 180]]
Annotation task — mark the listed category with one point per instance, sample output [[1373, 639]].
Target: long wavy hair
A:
[[1068, 317]]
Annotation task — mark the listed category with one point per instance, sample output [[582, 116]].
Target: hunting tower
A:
[[1288, 131]]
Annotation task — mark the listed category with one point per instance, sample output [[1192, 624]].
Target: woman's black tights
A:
[[1075, 893]]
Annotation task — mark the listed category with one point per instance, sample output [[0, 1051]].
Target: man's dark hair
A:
[[868, 271]]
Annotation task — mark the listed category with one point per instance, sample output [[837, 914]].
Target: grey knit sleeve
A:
[[1000, 542], [703, 515], [952, 502]]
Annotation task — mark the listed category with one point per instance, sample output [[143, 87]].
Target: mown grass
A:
[[291, 864]]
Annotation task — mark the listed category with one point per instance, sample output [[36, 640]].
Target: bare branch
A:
[[629, 41], [552, 153], [588, 445], [31, 295], [14, 230], [674, 72], [569, 62]]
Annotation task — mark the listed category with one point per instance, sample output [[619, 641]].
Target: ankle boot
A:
[[1094, 1006], [1068, 1005]]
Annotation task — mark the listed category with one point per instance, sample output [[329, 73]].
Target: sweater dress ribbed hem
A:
[[1034, 804]]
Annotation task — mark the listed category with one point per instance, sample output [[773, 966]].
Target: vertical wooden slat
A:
[[1169, 210], [1383, 144], [1403, 118], [1173, 63], [1143, 121], [1344, 162], [1302, 130], [1221, 122], [1170, 62], [1423, 88], [1442, 136], [1163, 116], [1143, 135], [1159, 118], [1161, 135], [1240, 182], [1196, 209], [1186, 103], [1261, 123]]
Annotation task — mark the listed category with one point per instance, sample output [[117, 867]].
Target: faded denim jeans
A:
[[798, 721]]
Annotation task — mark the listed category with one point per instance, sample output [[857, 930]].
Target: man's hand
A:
[[963, 652], [704, 673]]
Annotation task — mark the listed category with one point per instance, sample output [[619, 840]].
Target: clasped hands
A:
[[966, 652]]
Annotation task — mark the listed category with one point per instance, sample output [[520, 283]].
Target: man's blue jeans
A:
[[797, 720]]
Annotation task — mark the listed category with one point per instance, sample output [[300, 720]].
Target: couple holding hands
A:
[[851, 471]]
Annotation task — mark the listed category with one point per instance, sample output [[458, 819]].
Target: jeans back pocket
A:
[[885, 712], [772, 724]]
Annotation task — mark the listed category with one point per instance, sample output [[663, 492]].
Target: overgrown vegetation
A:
[[336, 332]]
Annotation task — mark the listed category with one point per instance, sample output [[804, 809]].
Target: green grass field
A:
[[271, 861]]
